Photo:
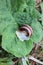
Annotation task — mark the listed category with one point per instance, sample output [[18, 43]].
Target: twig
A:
[[36, 60]]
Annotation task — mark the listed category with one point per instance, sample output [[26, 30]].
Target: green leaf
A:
[[42, 12], [17, 5], [37, 31], [6, 18], [23, 18], [14, 46], [7, 63]]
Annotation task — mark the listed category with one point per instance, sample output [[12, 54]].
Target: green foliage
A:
[[15, 13], [42, 12], [7, 63], [37, 31], [16, 48]]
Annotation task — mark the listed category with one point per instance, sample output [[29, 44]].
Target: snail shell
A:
[[24, 32], [28, 30]]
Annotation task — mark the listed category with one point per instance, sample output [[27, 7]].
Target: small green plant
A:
[[14, 14]]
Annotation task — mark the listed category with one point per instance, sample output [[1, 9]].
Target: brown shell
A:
[[27, 29]]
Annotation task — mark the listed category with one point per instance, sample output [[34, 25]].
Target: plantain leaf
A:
[[37, 31], [14, 46]]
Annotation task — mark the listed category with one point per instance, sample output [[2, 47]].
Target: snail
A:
[[24, 32]]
